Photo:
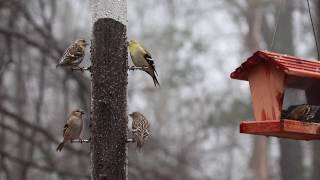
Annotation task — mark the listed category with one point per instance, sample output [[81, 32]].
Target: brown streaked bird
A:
[[298, 112], [142, 58], [72, 129], [140, 128], [74, 54]]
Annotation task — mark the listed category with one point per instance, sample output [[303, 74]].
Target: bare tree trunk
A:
[[254, 20], [259, 159], [290, 150], [20, 105], [291, 160], [38, 109], [109, 90], [4, 169]]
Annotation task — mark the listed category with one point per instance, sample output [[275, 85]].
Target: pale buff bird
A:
[[74, 54], [140, 128], [142, 58], [72, 129]]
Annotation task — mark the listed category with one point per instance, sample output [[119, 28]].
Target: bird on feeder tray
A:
[[73, 55], [72, 129], [303, 112], [142, 60], [140, 128]]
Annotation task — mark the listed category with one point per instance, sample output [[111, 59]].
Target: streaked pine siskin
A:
[[298, 112], [140, 128], [303, 112], [74, 54]]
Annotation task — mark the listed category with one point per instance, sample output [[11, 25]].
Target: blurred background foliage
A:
[[194, 114]]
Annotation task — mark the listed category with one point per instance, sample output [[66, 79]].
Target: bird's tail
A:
[[155, 80], [60, 146], [140, 142]]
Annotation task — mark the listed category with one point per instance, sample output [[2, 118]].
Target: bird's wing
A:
[[65, 128], [149, 60], [66, 53], [76, 51], [73, 52], [147, 53], [146, 128], [135, 124], [145, 123]]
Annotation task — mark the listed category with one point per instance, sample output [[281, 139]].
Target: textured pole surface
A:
[[109, 100]]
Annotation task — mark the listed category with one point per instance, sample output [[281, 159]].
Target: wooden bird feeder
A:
[[269, 74]]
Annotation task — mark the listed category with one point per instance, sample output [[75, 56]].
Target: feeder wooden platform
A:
[[283, 129], [269, 74]]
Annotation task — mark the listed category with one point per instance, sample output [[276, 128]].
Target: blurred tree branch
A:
[[44, 132], [41, 167]]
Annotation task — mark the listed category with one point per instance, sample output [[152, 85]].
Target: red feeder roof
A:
[[288, 64]]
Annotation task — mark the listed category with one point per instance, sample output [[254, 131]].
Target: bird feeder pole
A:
[[109, 90]]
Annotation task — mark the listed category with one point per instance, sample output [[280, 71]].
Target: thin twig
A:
[[132, 68], [130, 140], [41, 167], [37, 128], [80, 141], [81, 69]]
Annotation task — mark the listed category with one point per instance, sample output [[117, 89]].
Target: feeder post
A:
[[109, 90], [259, 160]]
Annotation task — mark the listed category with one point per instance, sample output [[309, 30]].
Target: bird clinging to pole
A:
[[140, 128], [73, 55], [72, 128], [142, 59]]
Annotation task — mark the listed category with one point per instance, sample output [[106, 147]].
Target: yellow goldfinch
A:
[[74, 54], [140, 128], [72, 129], [142, 58]]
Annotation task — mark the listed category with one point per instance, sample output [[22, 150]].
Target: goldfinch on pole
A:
[[142, 59]]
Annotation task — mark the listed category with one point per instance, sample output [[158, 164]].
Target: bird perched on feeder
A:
[[303, 112], [142, 59], [72, 129], [140, 128], [297, 112], [73, 55]]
